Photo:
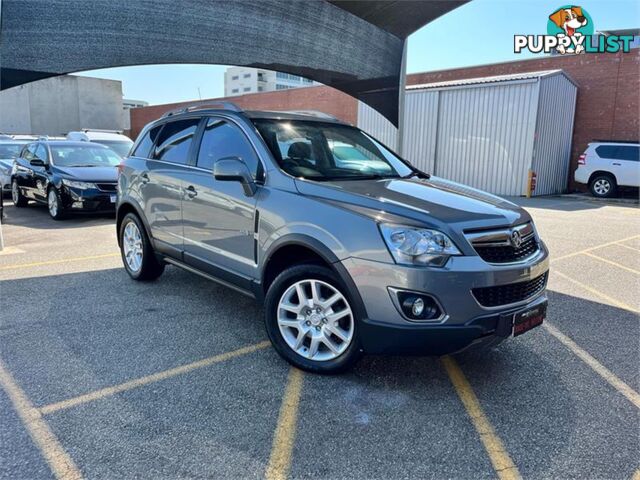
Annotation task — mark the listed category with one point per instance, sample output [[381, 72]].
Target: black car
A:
[[67, 176]]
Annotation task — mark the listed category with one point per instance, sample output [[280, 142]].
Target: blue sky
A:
[[477, 33]]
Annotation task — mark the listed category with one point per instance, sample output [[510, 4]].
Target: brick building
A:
[[608, 103]]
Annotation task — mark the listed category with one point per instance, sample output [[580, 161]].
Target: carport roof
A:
[[354, 46]]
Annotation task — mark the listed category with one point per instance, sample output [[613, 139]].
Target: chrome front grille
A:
[[507, 245]]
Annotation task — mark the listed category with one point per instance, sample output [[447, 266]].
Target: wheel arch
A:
[[602, 172], [128, 206], [291, 249]]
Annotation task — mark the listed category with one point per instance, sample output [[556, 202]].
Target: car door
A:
[[41, 173], [218, 217], [24, 174], [628, 158], [161, 183]]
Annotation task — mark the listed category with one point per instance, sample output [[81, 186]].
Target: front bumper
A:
[[464, 321], [89, 200]]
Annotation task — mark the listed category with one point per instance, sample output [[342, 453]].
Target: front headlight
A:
[[80, 185], [418, 246]]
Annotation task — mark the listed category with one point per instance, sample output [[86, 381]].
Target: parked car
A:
[[67, 176], [380, 258], [9, 150], [114, 139], [605, 166]]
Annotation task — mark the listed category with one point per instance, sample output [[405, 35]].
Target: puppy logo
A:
[[570, 30], [571, 21]]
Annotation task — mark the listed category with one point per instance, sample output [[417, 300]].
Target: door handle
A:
[[144, 178], [191, 191], [616, 164]]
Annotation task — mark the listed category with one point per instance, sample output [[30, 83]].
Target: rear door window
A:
[[628, 152], [174, 141]]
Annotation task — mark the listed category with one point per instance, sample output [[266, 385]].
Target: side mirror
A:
[[232, 169], [36, 162]]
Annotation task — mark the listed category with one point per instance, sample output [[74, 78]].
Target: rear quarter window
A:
[[146, 143]]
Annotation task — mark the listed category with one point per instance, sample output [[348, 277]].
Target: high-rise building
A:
[[242, 80]]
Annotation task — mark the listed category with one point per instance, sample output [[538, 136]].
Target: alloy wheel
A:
[[52, 202], [602, 186], [315, 320], [15, 194], [132, 247]]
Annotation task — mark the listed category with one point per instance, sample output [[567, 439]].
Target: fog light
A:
[[77, 205], [418, 307]]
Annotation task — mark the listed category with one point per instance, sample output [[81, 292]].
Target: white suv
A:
[[121, 144], [605, 166]]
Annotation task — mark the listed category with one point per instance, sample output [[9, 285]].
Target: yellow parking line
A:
[[282, 446], [596, 366], [612, 263], [139, 382], [502, 463], [59, 461], [598, 293], [580, 252], [54, 262]]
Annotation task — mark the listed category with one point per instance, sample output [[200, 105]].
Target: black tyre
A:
[[54, 204], [138, 257], [311, 320], [603, 186], [19, 200]]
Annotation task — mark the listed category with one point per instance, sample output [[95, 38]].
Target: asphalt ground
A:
[[103, 377]]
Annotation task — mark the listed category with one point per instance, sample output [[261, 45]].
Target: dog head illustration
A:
[[569, 19]]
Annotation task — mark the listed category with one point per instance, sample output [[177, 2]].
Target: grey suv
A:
[[349, 247]]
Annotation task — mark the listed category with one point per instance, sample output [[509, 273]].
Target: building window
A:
[[307, 80], [261, 89], [235, 90], [282, 75], [246, 89], [280, 86], [247, 75], [235, 77]]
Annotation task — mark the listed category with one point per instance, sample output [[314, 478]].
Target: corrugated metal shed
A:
[[488, 132]]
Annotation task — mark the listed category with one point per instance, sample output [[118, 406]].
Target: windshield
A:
[[10, 150], [121, 148], [327, 151], [83, 156]]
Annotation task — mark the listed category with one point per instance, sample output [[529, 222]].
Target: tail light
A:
[[582, 159]]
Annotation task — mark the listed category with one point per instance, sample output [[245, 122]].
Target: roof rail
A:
[[311, 113], [204, 106], [85, 130], [600, 140]]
